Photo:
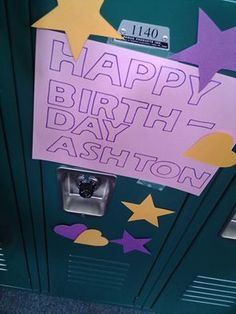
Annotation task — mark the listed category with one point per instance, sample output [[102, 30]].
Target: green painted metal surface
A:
[[21, 40], [18, 188], [13, 263], [196, 210], [209, 264]]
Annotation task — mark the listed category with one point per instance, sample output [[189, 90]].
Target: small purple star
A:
[[130, 243], [215, 50]]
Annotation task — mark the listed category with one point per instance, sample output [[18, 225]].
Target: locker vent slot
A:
[[211, 291], [3, 263], [231, 1], [96, 272]]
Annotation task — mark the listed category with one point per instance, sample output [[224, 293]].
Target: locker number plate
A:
[[145, 34]]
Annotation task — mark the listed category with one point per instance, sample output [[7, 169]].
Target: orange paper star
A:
[[79, 19], [147, 211]]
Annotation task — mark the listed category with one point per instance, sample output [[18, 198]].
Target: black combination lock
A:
[[86, 185]]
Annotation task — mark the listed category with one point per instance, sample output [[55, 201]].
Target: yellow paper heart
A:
[[214, 149], [91, 237]]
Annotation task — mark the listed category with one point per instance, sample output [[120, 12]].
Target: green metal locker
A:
[[204, 280], [17, 231], [13, 264], [56, 265]]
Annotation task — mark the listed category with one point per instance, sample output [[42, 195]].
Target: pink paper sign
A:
[[124, 112]]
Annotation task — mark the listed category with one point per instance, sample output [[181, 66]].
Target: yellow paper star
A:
[[147, 211], [79, 19]]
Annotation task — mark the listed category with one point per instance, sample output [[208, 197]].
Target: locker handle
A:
[[85, 192], [229, 231]]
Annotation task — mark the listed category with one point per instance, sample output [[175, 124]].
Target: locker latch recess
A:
[[229, 231], [85, 192]]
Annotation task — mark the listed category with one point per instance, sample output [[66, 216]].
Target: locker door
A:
[[205, 280], [107, 274], [13, 265], [15, 199]]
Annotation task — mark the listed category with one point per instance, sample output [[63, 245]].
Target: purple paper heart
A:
[[70, 232]]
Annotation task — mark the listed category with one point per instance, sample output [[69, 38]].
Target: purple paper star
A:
[[130, 243], [214, 50]]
